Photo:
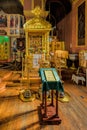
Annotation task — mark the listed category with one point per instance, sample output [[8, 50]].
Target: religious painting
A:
[[16, 21], [3, 32], [21, 22], [11, 21], [36, 58], [21, 44], [16, 31], [14, 45], [81, 24], [36, 44], [21, 31], [3, 20], [11, 31]]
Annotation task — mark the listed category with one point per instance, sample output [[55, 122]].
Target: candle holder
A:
[[72, 57]]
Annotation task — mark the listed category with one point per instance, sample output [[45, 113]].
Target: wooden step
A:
[[2, 86], [6, 76], [31, 79]]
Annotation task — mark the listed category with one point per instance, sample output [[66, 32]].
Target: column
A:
[[32, 4], [47, 37]]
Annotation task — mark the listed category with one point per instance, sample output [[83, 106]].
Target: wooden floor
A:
[[18, 115]]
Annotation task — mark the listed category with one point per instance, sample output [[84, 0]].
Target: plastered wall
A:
[[71, 28]]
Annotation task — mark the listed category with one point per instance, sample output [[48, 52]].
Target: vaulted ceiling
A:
[[58, 9], [11, 6]]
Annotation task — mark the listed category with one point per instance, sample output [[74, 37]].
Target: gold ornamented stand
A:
[[37, 32]]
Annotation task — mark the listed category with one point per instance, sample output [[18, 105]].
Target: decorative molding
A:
[[3, 32], [36, 12], [2, 12]]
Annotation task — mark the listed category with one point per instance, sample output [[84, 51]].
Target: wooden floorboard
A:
[[18, 115]]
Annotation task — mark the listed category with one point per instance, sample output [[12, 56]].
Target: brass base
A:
[[66, 98], [28, 99]]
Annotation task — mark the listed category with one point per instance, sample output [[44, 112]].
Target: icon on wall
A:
[[3, 20], [11, 21], [20, 44], [81, 24]]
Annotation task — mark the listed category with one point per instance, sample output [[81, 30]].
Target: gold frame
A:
[[77, 25]]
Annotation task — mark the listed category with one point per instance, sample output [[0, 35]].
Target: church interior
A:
[[43, 64]]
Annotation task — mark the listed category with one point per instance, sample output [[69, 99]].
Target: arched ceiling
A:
[[58, 9]]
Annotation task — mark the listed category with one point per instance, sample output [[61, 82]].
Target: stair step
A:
[[2, 86]]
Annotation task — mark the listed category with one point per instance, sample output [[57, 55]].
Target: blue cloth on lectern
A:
[[51, 85]]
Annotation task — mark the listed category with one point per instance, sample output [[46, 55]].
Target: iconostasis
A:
[[11, 26]]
